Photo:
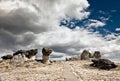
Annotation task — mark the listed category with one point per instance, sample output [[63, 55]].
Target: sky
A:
[[66, 26]]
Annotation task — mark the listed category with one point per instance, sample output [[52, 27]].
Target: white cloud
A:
[[70, 41], [95, 23], [21, 21], [104, 19], [111, 36], [35, 24], [117, 29]]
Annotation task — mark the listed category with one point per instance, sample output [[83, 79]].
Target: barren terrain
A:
[[57, 71]]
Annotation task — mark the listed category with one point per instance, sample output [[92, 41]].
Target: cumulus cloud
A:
[[36, 24], [65, 38], [21, 21]]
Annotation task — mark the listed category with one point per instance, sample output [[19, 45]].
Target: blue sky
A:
[[107, 11]]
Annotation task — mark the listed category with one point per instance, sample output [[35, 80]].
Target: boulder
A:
[[96, 55], [86, 55], [103, 64]]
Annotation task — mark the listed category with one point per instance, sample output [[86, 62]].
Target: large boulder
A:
[[103, 64], [86, 55], [45, 54]]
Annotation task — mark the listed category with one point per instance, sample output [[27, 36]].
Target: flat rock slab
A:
[[68, 74]]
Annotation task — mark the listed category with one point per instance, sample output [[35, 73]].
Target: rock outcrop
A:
[[103, 64], [21, 56], [29, 54], [45, 54], [86, 55]]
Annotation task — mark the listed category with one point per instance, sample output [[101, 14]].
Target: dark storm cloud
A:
[[18, 28], [6, 39], [20, 21]]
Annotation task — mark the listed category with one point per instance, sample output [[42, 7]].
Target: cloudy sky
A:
[[66, 26]]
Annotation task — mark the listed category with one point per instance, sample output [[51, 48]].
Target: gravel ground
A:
[[57, 71], [32, 71]]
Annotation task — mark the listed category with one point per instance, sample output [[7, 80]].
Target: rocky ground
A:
[[57, 71]]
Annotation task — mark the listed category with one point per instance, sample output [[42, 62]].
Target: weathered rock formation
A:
[[28, 54], [96, 55], [45, 54], [86, 55], [103, 64], [6, 57], [21, 56]]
